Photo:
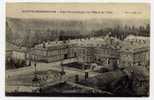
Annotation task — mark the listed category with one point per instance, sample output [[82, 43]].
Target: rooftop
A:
[[133, 43], [133, 37], [87, 42], [68, 87], [13, 47], [106, 78], [140, 72]]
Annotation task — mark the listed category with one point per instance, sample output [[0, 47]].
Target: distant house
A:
[[136, 38], [16, 56], [9, 50]]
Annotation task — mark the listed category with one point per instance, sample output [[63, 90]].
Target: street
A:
[[22, 77]]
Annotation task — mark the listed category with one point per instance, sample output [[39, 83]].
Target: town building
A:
[[103, 51], [135, 51], [53, 51], [16, 56]]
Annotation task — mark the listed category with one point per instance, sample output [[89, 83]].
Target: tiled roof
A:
[[88, 42], [140, 72], [106, 77], [12, 47], [132, 37], [133, 46]]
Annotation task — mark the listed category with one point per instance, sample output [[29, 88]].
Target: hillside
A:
[[52, 29]]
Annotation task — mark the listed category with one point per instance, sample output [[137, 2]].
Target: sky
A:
[[78, 10]]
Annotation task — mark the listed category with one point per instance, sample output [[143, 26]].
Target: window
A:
[[75, 55], [83, 51], [65, 56]]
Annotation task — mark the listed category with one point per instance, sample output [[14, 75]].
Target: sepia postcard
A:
[[77, 49]]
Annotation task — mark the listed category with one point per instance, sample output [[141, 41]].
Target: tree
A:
[[148, 29], [9, 33]]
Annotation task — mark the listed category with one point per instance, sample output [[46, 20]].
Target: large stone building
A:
[[135, 51], [53, 51], [103, 51]]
